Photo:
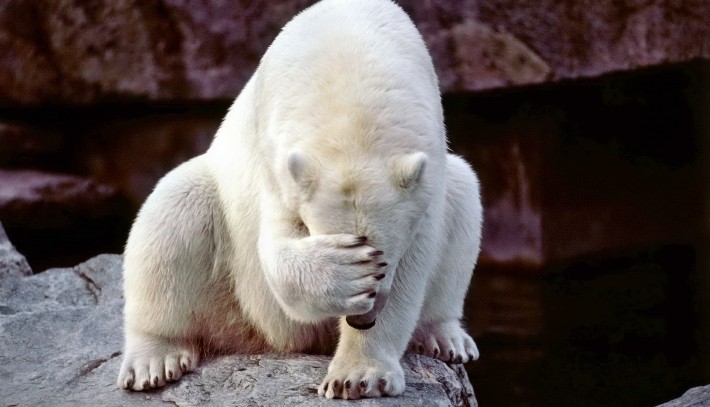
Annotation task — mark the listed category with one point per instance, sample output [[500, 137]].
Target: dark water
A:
[[626, 330]]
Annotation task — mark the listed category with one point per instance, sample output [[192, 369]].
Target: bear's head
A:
[[381, 198], [363, 194]]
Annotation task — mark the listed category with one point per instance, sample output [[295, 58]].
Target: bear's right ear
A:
[[408, 170], [301, 170]]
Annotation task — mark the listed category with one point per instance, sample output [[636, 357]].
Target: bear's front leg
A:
[[367, 362]]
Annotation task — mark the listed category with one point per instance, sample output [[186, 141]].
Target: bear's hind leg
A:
[[439, 333], [170, 281]]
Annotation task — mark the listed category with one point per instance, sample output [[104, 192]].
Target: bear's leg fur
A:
[[439, 333], [169, 279], [367, 362]]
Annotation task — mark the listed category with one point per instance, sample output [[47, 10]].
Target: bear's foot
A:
[[349, 379], [151, 362], [445, 341]]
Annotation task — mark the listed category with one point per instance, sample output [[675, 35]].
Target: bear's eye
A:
[[302, 228]]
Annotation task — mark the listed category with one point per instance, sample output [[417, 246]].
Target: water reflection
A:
[[619, 331]]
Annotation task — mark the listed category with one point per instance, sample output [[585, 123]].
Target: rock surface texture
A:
[[695, 397], [12, 263], [61, 339], [79, 52]]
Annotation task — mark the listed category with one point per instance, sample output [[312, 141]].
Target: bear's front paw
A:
[[366, 378], [352, 269], [445, 341], [152, 362]]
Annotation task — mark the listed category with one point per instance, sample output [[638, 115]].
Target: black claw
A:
[[372, 295], [155, 382], [383, 384], [451, 355], [379, 277], [336, 386], [146, 384], [170, 375], [129, 383], [361, 239], [377, 253], [363, 384], [325, 388], [420, 349], [436, 352], [347, 384], [459, 359], [383, 264]]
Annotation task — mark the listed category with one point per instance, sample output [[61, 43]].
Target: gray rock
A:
[[12, 263], [695, 397], [61, 339]]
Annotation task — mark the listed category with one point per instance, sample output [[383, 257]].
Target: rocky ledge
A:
[[60, 345], [695, 397]]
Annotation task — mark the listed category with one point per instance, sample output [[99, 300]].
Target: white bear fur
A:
[[255, 245]]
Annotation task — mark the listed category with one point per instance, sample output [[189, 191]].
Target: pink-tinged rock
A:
[[71, 51], [39, 200], [508, 159]]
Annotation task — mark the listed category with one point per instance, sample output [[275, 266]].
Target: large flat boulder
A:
[[61, 340]]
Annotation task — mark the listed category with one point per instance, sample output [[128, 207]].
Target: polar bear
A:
[[327, 202]]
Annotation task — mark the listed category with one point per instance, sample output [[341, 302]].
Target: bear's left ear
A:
[[408, 170], [301, 170]]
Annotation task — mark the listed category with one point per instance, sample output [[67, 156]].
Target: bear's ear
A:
[[408, 170], [301, 170]]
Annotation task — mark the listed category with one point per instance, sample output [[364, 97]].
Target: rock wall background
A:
[[123, 91], [164, 50]]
